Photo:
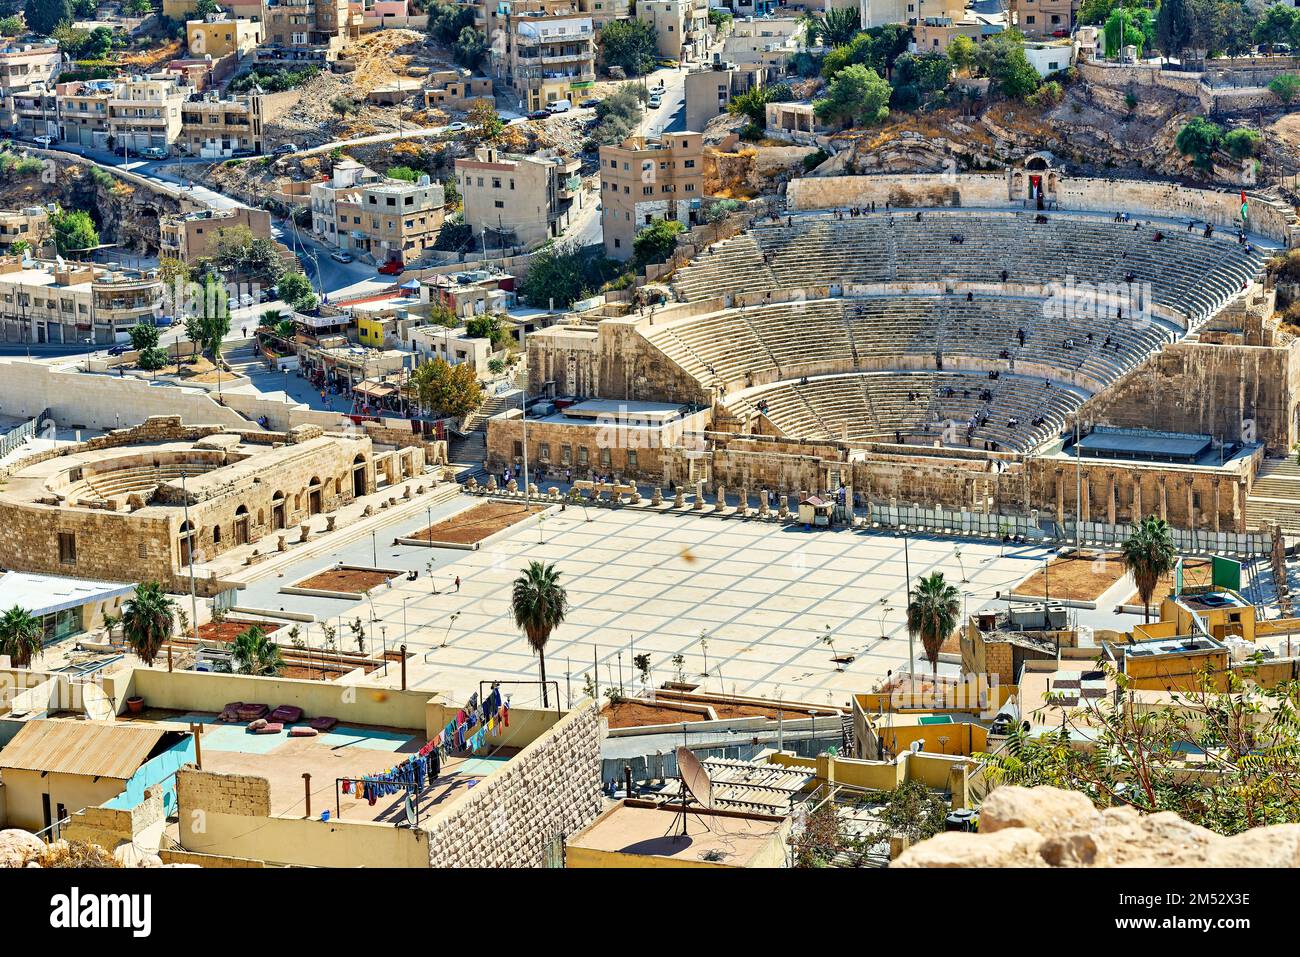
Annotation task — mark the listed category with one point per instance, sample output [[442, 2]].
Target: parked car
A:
[[538, 115], [45, 141], [341, 256], [119, 349], [590, 104], [457, 127], [154, 152], [285, 148], [559, 106], [244, 301], [392, 268], [164, 322], [655, 101]]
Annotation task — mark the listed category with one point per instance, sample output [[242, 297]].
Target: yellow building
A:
[[220, 36], [370, 331]]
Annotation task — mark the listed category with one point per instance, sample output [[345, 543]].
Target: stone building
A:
[[117, 505], [62, 302], [519, 200]]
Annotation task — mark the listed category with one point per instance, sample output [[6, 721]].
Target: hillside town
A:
[[693, 434]]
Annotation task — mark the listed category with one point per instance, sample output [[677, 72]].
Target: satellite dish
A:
[[694, 778], [409, 810]]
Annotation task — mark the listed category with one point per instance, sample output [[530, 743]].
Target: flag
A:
[[1245, 206]]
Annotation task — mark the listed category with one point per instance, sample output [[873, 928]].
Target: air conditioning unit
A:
[[1058, 617], [1027, 617]]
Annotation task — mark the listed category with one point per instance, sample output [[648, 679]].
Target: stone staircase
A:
[[476, 421], [1275, 497]]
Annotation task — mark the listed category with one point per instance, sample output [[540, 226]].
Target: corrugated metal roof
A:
[[80, 747]]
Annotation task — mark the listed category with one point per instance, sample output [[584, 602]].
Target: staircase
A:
[[476, 421], [1275, 497]]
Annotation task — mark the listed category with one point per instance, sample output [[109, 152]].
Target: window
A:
[[582, 455], [499, 204], [604, 458], [566, 455], [544, 451], [689, 164], [68, 548], [519, 450], [631, 459]]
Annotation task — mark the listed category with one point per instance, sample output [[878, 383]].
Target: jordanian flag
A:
[[1245, 206]]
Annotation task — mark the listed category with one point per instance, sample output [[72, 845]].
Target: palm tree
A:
[[148, 620], [932, 614], [1149, 554], [540, 603], [21, 636], [836, 28], [256, 654]]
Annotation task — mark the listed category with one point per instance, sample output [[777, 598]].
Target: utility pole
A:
[[523, 405], [194, 602], [911, 636]]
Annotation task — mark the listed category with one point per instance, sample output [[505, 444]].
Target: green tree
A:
[[73, 230], [144, 335], [209, 322], [857, 97], [834, 28], [253, 653], [403, 173], [539, 603], [1199, 138], [447, 20], [1275, 26], [1173, 28], [148, 619], [450, 390], [932, 614], [629, 44], [97, 44], [876, 48], [928, 72], [1242, 142], [295, 290], [46, 16], [961, 51], [11, 26], [1129, 26], [1285, 87], [563, 275], [470, 48], [485, 119], [1002, 59], [618, 114], [21, 636], [1149, 555], [656, 242], [753, 102]]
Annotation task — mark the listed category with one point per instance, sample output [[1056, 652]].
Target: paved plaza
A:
[[642, 581]]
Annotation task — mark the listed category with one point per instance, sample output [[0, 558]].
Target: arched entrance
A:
[[279, 519], [185, 539], [314, 496], [241, 525], [359, 476]]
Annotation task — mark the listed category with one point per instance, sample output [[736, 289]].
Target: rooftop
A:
[[84, 747], [644, 829]]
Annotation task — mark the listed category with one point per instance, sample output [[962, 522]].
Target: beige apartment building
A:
[[50, 302], [220, 36], [680, 26], [518, 200], [83, 112], [387, 220], [34, 111], [1037, 19], [643, 179], [213, 128], [23, 65], [709, 90], [191, 236], [603, 11], [30, 225], [305, 29], [549, 58], [145, 112]]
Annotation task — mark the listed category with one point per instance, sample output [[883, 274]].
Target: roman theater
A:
[[1021, 348]]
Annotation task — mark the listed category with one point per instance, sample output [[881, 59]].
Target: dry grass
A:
[[73, 854]]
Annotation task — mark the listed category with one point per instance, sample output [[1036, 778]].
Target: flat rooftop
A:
[[632, 414], [645, 830], [1143, 445]]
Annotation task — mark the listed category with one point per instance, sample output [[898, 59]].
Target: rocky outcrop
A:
[[16, 846], [1049, 827]]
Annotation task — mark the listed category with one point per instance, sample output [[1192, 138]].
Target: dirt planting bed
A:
[[350, 580], [1076, 577], [475, 524]]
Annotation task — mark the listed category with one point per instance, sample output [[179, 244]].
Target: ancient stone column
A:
[[721, 502], [699, 497], [763, 509], [1216, 505], [1164, 499], [679, 499], [783, 507], [492, 483], [1060, 498], [1137, 499], [512, 486], [1110, 499], [282, 543], [330, 521], [743, 509], [657, 496], [636, 495], [1191, 504]]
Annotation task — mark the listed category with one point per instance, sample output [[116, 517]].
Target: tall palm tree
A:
[[21, 636], [932, 614], [256, 654], [148, 620], [540, 603], [836, 28], [1149, 554]]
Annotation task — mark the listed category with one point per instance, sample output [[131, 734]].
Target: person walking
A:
[[457, 583]]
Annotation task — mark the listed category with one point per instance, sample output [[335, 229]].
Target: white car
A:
[[341, 256], [655, 101], [45, 141], [456, 127], [244, 301]]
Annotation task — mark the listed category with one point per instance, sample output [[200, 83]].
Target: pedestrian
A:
[[457, 583]]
